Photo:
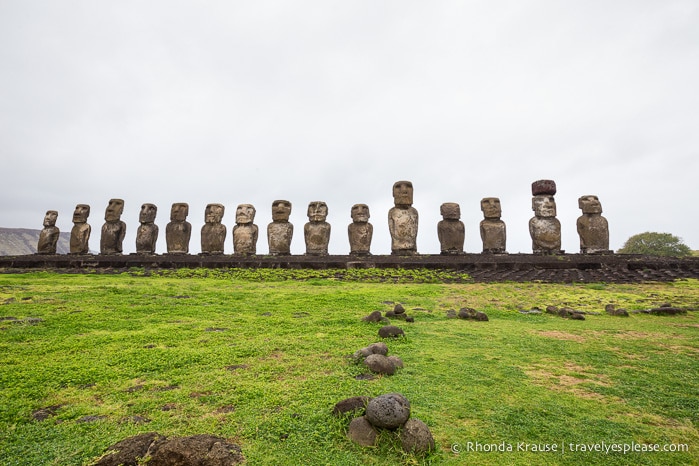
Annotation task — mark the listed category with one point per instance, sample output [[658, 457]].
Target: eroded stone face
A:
[[491, 208], [544, 205], [178, 231], [213, 233], [245, 213], [148, 213], [403, 220], [80, 233], [317, 231], [114, 210], [592, 227], [280, 231], [360, 231], [450, 230], [48, 238]]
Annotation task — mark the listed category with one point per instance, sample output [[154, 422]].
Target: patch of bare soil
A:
[[561, 335]]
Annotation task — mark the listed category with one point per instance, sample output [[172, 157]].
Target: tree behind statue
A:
[[655, 244]]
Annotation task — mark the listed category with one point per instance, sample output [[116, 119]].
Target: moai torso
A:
[[48, 238], [213, 233], [147, 233], [245, 232], [178, 231], [451, 231], [316, 232], [113, 230], [403, 220], [80, 233], [544, 227], [280, 231], [360, 231]]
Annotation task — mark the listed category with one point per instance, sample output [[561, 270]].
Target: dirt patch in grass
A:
[[570, 378], [561, 336]]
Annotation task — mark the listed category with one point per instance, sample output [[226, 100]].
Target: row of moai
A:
[[544, 227]]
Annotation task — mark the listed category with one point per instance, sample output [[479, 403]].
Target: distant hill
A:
[[20, 241]]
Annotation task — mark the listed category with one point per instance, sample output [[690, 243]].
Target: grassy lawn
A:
[[261, 359]]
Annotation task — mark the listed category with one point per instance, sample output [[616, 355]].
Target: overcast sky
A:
[[246, 102]]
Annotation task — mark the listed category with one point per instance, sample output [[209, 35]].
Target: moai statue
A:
[[80, 234], [213, 233], [48, 238], [114, 230], [317, 231], [147, 233], [280, 231], [493, 232], [360, 231], [179, 230], [592, 227], [451, 230], [245, 231], [403, 220], [544, 227]]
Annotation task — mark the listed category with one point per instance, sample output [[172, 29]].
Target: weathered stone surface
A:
[[355, 404], [360, 231], [147, 233], [416, 438], [472, 314], [388, 411], [493, 230], [80, 234], [397, 362], [197, 450], [48, 238], [130, 451], [391, 331], [179, 230], [316, 232], [378, 348], [213, 233], [380, 364], [375, 316], [451, 231], [398, 309], [544, 187], [667, 310], [544, 227], [113, 230], [593, 228], [245, 232], [361, 432], [403, 220], [612, 311], [280, 231]]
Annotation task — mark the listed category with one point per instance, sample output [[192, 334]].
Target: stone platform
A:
[[564, 268]]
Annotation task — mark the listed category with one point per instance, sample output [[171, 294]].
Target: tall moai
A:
[[113, 230], [48, 238], [360, 231], [147, 233], [179, 230], [316, 232], [245, 231], [280, 231], [403, 220], [493, 230], [213, 233], [450, 230], [544, 227], [80, 233], [593, 228]]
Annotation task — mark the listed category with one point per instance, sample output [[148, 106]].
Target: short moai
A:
[[80, 233], [403, 220], [451, 231], [48, 238], [147, 233], [316, 232], [593, 228], [280, 231], [245, 231], [179, 230], [113, 230], [213, 233], [493, 231], [360, 231]]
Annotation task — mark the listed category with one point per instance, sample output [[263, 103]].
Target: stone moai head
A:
[[281, 210], [544, 206], [148, 213], [490, 206], [179, 212], [590, 204], [317, 211], [245, 213], [214, 213], [450, 211], [360, 213], [403, 193], [81, 212], [50, 218], [114, 210]]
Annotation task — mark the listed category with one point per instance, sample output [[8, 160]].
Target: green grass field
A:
[[261, 358]]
